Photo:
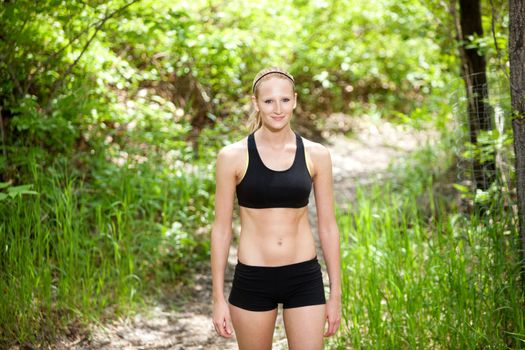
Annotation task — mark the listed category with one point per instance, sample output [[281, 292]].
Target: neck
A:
[[276, 137]]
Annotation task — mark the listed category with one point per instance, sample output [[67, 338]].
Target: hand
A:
[[222, 319], [333, 315]]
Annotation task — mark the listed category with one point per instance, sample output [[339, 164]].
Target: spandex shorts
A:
[[261, 288]]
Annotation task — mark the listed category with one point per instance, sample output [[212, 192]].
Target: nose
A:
[[278, 107]]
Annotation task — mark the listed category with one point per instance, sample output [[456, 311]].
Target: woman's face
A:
[[275, 102]]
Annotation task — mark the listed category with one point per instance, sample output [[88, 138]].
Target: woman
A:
[[272, 171]]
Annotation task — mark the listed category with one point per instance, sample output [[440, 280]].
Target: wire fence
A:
[[483, 138]]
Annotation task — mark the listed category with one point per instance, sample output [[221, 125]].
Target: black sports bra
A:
[[262, 187]]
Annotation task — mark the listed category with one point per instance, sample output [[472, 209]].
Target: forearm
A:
[[220, 246], [331, 251]]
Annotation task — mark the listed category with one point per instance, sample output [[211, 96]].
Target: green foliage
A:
[[11, 192], [81, 246], [113, 112], [201, 57], [488, 143], [419, 275], [383, 60]]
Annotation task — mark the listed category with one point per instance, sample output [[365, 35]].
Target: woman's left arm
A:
[[328, 231]]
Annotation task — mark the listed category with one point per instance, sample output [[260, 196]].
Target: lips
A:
[[278, 118]]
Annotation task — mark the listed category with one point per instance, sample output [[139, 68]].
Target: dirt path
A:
[[360, 160]]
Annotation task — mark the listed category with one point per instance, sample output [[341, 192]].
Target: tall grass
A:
[[84, 245], [419, 275]]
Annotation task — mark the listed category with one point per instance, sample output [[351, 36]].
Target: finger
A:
[[336, 325], [216, 328], [327, 332], [224, 330], [228, 326], [331, 329]]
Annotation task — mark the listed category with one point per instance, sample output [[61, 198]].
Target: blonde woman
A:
[[272, 172]]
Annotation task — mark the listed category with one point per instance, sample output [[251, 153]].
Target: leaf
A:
[[461, 188], [482, 196], [20, 190]]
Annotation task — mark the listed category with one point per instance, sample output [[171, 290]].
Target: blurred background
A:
[[112, 113]]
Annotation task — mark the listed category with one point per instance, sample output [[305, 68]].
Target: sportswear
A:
[[262, 187], [261, 288]]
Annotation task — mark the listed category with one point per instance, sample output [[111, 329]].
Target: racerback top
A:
[[262, 187]]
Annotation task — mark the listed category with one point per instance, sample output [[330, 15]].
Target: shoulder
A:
[[233, 150], [317, 158], [233, 156], [316, 150]]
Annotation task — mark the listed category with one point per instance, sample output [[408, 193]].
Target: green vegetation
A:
[[81, 245], [419, 275], [112, 112]]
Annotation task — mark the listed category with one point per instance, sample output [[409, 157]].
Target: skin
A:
[[275, 236]]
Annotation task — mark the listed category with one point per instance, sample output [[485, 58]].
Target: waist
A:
[[276, 247], [294, 265]]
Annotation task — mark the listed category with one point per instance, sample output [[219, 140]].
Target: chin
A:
[[283, 121]]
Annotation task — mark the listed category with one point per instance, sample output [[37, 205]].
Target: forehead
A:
[[275, 86]]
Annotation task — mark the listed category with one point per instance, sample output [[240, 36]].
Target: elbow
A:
[[328, 229], [220, 230], [329, 234]]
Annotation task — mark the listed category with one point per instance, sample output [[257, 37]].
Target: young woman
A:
[[272, 172]]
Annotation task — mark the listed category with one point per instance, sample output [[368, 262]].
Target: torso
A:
[[279, 235], [275, 236]]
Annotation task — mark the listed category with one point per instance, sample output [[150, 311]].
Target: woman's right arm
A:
[[221, 235]]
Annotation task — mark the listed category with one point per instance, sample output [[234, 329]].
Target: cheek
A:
[[264, 107]]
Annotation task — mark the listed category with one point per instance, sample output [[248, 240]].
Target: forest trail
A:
[[362, 159]]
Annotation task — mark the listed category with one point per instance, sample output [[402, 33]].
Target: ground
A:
[[361, 159]]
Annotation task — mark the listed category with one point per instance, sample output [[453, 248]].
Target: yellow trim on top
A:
[[247, 162], [306, 158]]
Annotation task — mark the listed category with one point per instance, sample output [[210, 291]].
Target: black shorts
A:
[[261, 288]]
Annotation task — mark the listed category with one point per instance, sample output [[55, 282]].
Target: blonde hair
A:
[[263, 75]]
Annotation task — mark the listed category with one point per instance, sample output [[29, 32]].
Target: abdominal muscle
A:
[[275, 236]]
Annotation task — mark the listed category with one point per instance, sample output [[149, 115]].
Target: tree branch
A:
[[58, 83], [8, 58], [70, 42]]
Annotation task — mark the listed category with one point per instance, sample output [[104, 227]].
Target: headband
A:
[[270, 72]]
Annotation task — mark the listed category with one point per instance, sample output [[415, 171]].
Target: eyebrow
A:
[[271, 97]]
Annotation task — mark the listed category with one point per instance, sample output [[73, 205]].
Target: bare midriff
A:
[[275, 236]]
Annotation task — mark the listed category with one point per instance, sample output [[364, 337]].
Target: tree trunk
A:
[[517, 95], [473, 68]]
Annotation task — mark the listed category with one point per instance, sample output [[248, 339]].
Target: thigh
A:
[[305, 327], [253, 329]]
